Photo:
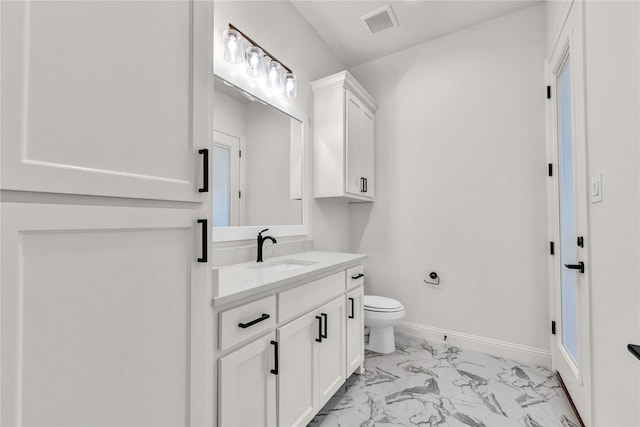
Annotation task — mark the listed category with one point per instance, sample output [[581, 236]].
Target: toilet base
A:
[[381, 340]]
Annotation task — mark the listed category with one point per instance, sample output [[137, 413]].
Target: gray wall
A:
[[461, 181]]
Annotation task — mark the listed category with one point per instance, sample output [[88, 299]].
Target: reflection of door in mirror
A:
[[227, 183]]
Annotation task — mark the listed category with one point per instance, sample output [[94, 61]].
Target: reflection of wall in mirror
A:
[[269, 192], [268, 168]]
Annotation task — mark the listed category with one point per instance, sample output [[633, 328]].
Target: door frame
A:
[[569, 40], [237, 210]]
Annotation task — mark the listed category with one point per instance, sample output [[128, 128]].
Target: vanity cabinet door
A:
[[298, 375], [247, 395], [106, 98], [331, 351], [355, 329]]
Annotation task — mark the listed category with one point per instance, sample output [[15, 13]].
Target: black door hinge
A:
[[239, 194], [552, 248], [580, 241], [550, 169], [548, 92], [553, 327], [239, 153]]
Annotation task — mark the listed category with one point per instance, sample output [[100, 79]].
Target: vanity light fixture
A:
[[233, 46], [255, 61], [278, 75], [274, 74]]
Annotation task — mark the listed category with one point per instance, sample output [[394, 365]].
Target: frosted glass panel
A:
[[567, 214], [221, 186]]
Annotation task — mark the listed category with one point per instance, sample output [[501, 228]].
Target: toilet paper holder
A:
[[433, 279]]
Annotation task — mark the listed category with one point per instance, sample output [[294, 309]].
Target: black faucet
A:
[[261, 242]]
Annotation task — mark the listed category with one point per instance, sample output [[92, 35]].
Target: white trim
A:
[[566, 8], [346, 80], [505, 349]]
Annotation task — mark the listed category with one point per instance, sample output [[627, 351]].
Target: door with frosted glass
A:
[[227, 185], [569, 299]]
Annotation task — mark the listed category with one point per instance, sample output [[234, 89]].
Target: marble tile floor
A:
[[427, 384]]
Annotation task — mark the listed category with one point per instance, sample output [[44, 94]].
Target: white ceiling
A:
[[339, 24]]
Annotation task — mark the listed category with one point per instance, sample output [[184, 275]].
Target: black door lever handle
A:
[[579, 266]]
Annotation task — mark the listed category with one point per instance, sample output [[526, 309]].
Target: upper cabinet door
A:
[[368, 152], [354, 145], [105, 98]]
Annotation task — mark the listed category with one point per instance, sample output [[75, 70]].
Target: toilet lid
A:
[[376, 303]]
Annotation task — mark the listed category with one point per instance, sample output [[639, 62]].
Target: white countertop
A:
[[240, 280]]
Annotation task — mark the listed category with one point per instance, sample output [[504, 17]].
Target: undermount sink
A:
[[281, 266]]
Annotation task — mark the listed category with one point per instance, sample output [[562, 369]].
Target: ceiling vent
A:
[[380, 20]]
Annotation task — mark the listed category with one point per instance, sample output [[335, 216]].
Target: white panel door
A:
[[297, 391], [568, 213], [355, 329], [248, 385], [355, 131], [105, 317], [105, 98], [331, 362]]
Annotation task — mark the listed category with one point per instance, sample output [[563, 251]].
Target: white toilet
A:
[[380, 315]]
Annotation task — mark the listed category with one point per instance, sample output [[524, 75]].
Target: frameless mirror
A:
[[258, 165]]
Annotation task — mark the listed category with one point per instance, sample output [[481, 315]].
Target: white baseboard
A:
[[505, 349]]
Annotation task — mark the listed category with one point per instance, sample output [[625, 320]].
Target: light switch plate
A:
[[596, 189]]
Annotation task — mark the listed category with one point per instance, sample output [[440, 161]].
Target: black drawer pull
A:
[[366, 185], [264, 316], [275, 369], [362, 184], [353, 309], [205, 243], [319, 339], [357, 276], [325, 325], [205, 170], [579, 266]]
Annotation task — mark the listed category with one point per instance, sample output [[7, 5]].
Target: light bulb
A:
[[274, 74], [255, 62], [290, 85], [233, 49]]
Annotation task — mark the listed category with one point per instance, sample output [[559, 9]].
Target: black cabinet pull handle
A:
[[205, 243], [319, 339], [357, 276], [634, 349], [275, 369], [205, 170], [579, 266], [353, 309], [366, 185], [264, 316], [362, 185], [325, 325]]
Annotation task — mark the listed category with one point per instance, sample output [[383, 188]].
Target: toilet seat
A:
[[381, 304]]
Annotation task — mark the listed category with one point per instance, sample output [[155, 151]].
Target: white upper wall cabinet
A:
[[344, 138], [105, 98]]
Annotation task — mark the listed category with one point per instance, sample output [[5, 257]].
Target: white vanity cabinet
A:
[[354, 328], [313, 362], [283, 372], [344, 138], [248, 385]]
